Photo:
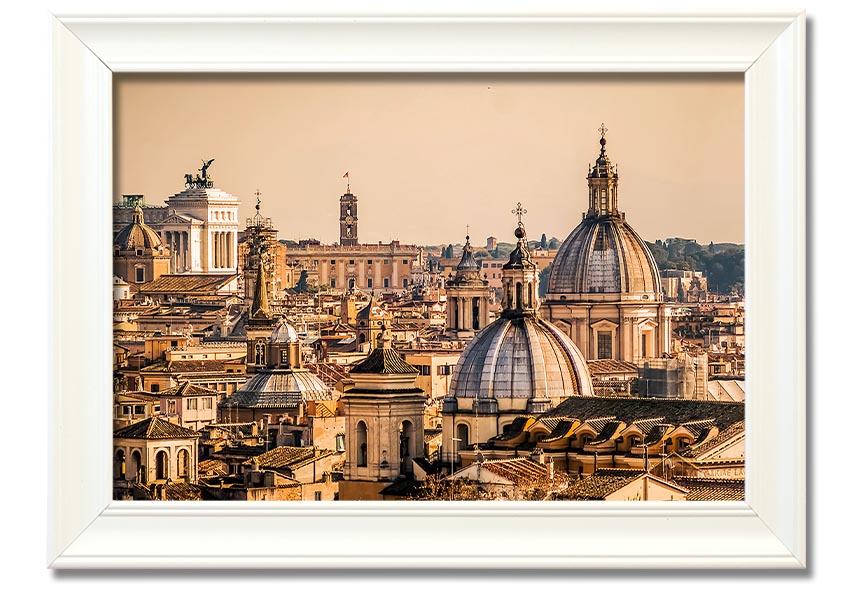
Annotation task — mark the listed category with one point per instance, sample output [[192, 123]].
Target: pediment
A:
[[177, 219], [604, 325]]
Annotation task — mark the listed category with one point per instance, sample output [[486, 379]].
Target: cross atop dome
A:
[[519, 211], [603, 130]]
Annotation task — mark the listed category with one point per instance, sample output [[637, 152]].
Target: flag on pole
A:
[[345, 176]]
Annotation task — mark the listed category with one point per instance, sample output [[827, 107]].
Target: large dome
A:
[[604, 255], [521, 358]]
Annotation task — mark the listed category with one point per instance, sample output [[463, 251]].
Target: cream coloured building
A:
[[199, 225], [384, 422], [604, 289], [351, 264]]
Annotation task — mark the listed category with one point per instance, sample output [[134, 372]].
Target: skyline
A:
[[447, 150]]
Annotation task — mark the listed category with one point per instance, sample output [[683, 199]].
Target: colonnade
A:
[[222, 249]]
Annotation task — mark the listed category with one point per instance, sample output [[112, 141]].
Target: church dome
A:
[[603, 254], [137, 235], [284, 334], [525, 357], [279, 388]]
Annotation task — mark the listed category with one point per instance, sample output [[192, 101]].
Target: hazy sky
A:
[[429, 154]]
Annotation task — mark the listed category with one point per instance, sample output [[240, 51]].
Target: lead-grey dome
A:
[[278, 388], [521, 358], [284, 333], [604, 255]]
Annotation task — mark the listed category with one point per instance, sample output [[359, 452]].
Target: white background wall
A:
[[23, 162]]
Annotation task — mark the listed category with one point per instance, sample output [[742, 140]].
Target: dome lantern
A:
[[602, 182]]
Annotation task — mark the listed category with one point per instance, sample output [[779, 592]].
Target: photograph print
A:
[[428, 287]]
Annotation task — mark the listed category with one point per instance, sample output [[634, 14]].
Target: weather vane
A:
[[603, 130], [258, 193]]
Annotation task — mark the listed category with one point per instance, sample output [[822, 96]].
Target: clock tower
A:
[[348, 218]]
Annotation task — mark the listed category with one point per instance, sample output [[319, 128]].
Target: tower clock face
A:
[[349, 219]]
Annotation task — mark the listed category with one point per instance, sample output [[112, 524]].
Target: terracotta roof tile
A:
[[155, 429]]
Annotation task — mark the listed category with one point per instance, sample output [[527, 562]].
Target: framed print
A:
[[89, 529]]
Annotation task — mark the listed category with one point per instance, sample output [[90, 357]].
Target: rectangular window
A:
[[603, 348], [208, 403], [139, 409], [317, 496], [333, 283], [369, 282], [369, 262], [192, 404], [351, 261], [404, 262], [140, 275], [154, 387], [424, 369], [404, 282], [126, 410], [333, 262], [444, 369], [643, 340], [386, 261], [386, 282]]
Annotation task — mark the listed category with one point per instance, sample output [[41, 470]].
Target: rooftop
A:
[[155, 428]]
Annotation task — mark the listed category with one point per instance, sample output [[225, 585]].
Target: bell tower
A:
[[348, 218]]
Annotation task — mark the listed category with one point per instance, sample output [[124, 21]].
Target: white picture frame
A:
[[88, 530]]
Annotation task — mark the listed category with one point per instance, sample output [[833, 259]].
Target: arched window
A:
[[136, 469], [362, 444], [404, 438], [260, 353], [120, 465], [519, 302], [463, 436], [183, 463], [162, 464], [362, 338]]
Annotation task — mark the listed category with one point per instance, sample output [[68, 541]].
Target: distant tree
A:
[[301, 286], [711, 247], [450, 251], [543, 242], [544, 280], [554, 243]]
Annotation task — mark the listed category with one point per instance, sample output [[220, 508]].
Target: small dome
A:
[[605, 256], [137, 235], [274, 388], [284, 333], [525, 357]]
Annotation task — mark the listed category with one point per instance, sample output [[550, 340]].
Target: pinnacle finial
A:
[[258, 193], [519, 211], [603, 130]]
